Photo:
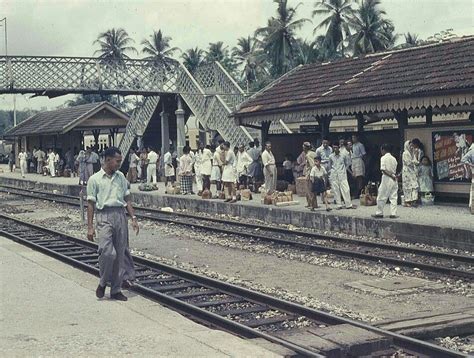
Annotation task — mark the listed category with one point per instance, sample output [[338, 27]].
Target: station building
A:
[[78, 127], [423, 92]]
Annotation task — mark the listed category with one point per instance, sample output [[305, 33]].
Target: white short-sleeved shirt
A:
[[107, 191], [152, 157], [358, 150], [388, 163], [317, 172]]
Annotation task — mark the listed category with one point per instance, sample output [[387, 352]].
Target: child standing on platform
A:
[[288, 169], [319, 177], [425, 178]]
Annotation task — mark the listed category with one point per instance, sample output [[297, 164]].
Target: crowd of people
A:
[[339, 166], [53, 162]]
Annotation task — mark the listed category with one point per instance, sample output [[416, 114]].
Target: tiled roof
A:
[[416, 72], [54, 122]]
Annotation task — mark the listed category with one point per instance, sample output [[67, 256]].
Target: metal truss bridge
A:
[[210, 92]]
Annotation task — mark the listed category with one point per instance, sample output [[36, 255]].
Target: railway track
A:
[[401, 256], [238, 310]]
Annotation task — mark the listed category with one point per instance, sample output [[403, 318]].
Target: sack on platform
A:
[[301, 186], [246, 194], [368, 200], [147, 187], [67, 173], [221, 195], [268, 200], [206, 194]]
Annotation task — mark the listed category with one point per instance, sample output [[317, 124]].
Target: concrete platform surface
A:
[[448, 226], [49, 309]]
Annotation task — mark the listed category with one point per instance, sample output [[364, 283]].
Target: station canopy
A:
[[439, 76], [85, 118]]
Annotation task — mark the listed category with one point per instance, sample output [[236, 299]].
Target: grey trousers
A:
[[112, 234]]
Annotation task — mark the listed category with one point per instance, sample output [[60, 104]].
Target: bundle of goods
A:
[[245, 194], [221, 195], [67, 173], [147, 187], [427, 199], [301, 186], [206, 194], [368, 197], [173, 188], [279, 198]]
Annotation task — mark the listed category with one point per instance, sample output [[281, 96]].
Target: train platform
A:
[[50, 309], [440, 225]]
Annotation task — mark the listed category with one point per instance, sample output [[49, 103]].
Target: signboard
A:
[[309, 128], [448, 149]]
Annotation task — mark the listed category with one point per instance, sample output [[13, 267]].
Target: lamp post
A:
[[4, 20]]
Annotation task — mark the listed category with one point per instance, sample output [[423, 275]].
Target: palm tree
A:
[[251, 58], [193, 58], [114, 45], [372, 32], [411, 40], [216, 52], [338, 13], [158, 48], [278, 37]]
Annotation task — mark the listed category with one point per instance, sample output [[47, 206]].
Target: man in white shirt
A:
[[39, 155], [51, 163], [338, 168], [151, 169], [206, 167], [324, 151], [358, 158], [243, 162], [23, 157], [197, 162], [269, 168], [388, 188]]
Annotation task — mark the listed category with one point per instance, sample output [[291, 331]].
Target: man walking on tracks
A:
[[108, 194]]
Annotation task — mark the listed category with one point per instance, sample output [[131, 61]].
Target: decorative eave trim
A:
[[366, 108]]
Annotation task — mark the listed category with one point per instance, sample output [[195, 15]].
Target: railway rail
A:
[[461, 266], [238, 310]]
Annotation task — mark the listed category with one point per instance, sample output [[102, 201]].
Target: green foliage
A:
[[6, 118], [193, 58], [114, 45], [372, 31], [158, 48], [278, 38]]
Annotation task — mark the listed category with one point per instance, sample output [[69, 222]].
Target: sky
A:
[[69, 27]]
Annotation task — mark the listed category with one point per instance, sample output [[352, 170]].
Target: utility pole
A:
[[6, 55]]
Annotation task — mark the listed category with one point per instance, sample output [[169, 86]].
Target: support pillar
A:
[[324, 124], [180, 129], [165, 132], [402, 120], [360, 122], [96, 133], [202, 135], [265, 130], [429, 116]]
